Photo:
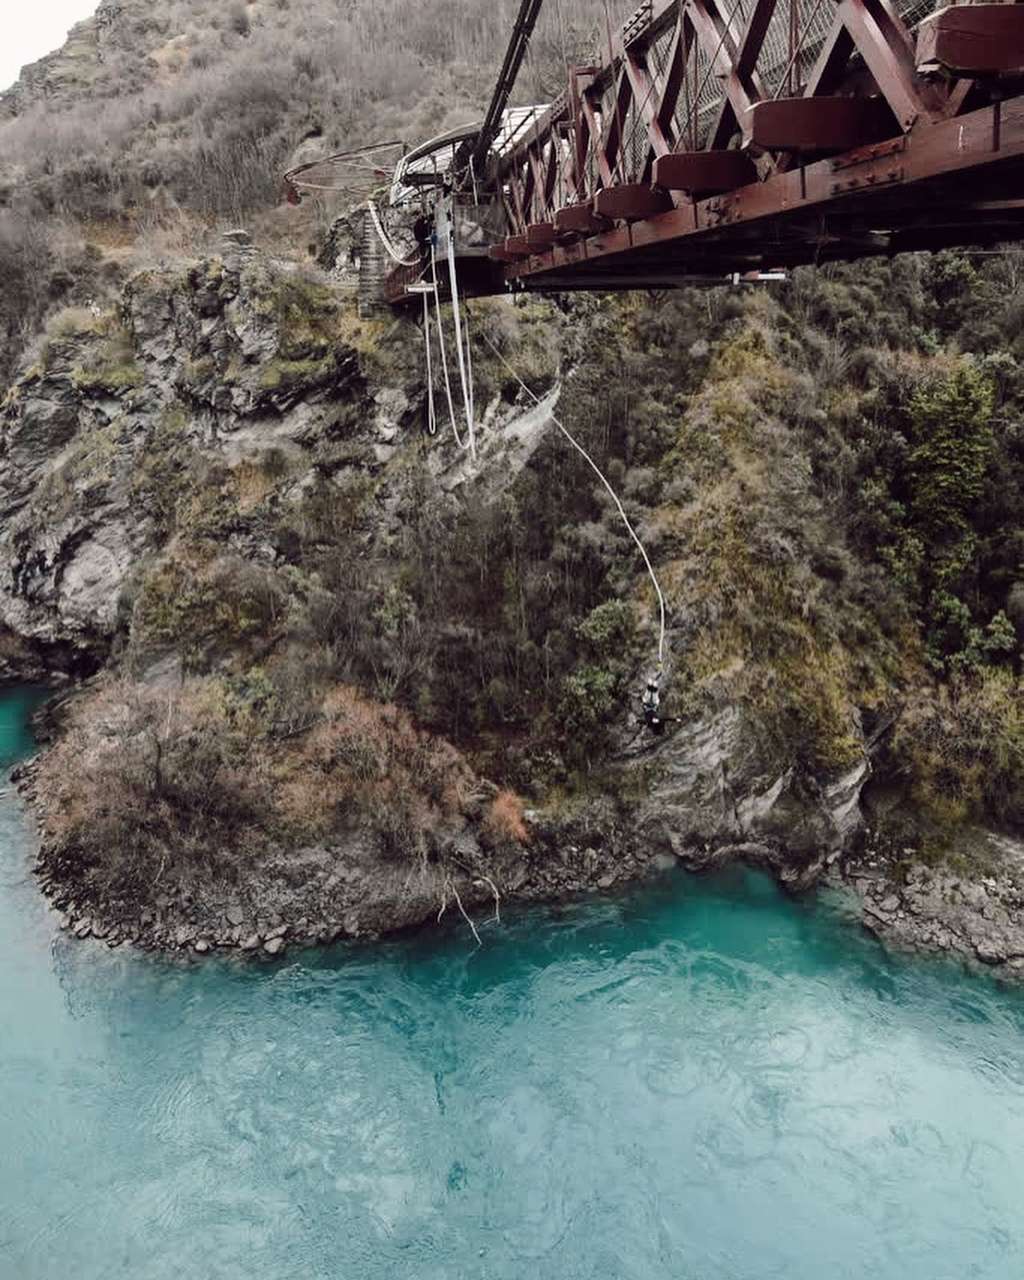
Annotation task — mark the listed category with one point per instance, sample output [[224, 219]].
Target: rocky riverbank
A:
[[701, 797], [936, 907], [333, 893], [324, 894], [708, 780], [346, 888]]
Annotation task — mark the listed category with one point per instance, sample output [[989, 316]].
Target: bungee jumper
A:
[[650, 707]]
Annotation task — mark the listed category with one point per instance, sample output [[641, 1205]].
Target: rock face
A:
[[216, 360], [70, 71], [237, 362], [718, 792], [934, 908]]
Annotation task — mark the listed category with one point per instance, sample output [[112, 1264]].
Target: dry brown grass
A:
[[504, 821], [367, 762], [253, 484], [153, 785]]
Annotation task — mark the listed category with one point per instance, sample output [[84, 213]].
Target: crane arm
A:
[[526, 20]]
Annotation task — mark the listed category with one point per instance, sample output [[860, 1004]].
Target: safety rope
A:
[[614, 496], [469, 362], [389, 248], [472, 177], [467, 393], [431, 409], [444, 357]]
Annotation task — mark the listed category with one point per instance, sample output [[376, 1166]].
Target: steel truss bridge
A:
[[723, 136]]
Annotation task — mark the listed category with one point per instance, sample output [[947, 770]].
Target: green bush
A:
[[962, 748], [951, 449], [205, 610], [588, 700], [609, 629]]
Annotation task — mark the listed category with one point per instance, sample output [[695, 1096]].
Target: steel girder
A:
[[826, 129]]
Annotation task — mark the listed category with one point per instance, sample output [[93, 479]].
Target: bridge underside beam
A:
[[974, 39], [805, 132], [958, 181]]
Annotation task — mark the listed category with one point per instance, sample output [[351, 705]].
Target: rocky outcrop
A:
[[320, 894], [65, 72], [225, 359], [73, 70], [936, 908], [233, 360], [717, 792]]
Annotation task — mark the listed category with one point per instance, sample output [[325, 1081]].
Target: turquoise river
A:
[[702, 1080]]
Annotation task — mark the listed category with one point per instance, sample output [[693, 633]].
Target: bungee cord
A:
[[467, 394], [611, 492], [469, 361], [444, 356], [382, 235], [465, 359], [431, 408]]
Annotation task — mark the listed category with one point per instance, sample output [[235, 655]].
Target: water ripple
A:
[[706, 1081]]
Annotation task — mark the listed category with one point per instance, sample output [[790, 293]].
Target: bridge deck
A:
[[824, 133], [905, 194]]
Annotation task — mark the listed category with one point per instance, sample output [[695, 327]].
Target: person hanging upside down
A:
[[650, 706]]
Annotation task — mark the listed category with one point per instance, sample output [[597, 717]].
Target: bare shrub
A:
[[153, 787], [25, 258], [504, 821], [238, 17], [365, 764], [149, 783], [214, 114]]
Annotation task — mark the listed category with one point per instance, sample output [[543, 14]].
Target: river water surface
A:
[[702, 1081]]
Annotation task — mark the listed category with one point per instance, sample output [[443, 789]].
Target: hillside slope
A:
[[334, 673], [156, 126]]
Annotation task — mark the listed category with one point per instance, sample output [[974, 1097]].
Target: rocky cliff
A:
[[221, 508], [329, 671], [68, 71]]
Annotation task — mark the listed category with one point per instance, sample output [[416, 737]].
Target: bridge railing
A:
[[750, 86]]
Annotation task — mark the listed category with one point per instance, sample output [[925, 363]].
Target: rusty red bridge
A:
[[724, 136]]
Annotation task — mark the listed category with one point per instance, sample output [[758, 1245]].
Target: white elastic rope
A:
[[389, 248], [444, 356], [467, 394], [431, 410], [469, 362], [315, 186], [614, 496]]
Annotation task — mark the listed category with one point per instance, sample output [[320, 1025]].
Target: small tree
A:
[[951, 448]]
